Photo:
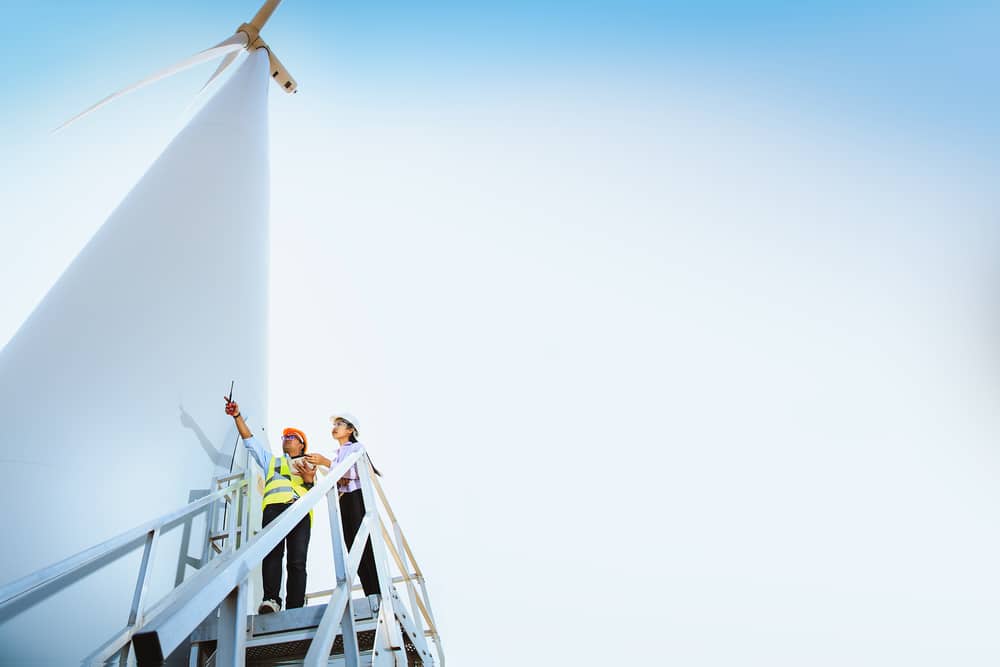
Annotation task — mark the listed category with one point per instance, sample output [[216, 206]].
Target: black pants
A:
[[352, 511], [298, 544]]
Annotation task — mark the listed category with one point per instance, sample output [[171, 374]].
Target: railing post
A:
[[386, 608], [212, 523], [247, 501], [352, 654], [232, 643], [141, 588], [232, 515], [252, 502]]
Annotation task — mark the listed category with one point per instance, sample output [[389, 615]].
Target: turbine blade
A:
[[226, 62], [263, 14], [231, 45]]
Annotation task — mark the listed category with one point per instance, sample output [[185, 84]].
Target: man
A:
[[352, 505], [287, 478]]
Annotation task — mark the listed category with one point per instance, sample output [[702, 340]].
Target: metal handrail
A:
[[56, 571], [219, 588], [184, 608], [120, 643]]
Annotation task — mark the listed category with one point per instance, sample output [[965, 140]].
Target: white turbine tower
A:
[[110, 392]]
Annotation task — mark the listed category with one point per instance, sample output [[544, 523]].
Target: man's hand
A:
[[233, 410], [306, 472], [318, 460]]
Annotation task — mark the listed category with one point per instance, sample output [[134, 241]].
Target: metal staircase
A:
[[284, 638], [209, 611]]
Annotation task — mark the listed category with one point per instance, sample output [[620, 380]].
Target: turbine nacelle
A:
[[278, 71]]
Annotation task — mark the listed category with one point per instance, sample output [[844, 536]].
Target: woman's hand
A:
[[318, 460]]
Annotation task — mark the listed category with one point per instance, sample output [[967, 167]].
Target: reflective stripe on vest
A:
[[282, 486]]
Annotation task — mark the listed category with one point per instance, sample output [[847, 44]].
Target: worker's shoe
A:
[[268, 607]]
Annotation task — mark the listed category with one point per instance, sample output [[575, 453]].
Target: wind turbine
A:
[[247, 37]]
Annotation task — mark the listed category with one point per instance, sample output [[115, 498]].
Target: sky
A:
[[671, 326]]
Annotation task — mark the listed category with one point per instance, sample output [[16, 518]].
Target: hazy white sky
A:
[[687, 362]]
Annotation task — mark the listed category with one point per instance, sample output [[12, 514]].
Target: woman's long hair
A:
[[354, 438]]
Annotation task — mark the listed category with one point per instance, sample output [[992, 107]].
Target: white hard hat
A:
[[347, 417]]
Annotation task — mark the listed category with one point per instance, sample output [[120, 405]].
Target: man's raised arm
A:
[[233, 410], [261, 455]]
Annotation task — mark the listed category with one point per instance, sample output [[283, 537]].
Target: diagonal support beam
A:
[[410, 627], [339, 609]]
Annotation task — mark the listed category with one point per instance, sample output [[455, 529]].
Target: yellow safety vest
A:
[[282, 486]]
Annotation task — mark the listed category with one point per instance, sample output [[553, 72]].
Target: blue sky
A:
[[923, 64]]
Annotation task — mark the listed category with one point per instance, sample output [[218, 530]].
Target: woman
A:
[[352, 505]]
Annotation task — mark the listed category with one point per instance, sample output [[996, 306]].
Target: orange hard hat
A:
[[300, 434]]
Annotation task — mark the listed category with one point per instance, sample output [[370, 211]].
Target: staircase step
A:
[[283, 638], [282, 622]]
